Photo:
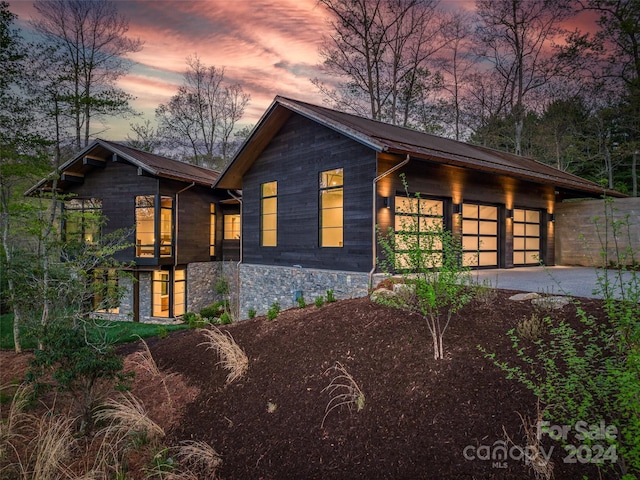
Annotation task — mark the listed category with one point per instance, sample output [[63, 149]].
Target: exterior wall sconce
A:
[[509, 213], [387, 202], [457, 208], [552, 217]]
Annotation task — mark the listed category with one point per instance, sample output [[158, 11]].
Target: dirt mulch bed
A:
[[419, 415]]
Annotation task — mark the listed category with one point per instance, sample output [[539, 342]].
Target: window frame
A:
[[162, 235], [176, 298], [212, 230], [265, 199], [87, 206], [227, 232], [328, 188]]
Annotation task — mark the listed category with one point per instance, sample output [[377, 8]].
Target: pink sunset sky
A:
[[270, 47]]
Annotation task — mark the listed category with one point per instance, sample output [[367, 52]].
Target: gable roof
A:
[[383, 137], [152, 164]]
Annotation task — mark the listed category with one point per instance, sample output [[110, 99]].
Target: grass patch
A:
[[114, 332]]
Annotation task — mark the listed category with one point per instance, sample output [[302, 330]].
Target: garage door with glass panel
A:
[[526, 237], [480, 235]]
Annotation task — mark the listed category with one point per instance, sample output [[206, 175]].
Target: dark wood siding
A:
[[456, 185], [294, 158], [118, 183]]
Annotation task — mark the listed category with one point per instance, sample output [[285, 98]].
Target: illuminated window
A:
[[331, 208], [82, 220], [166, 226], [418, 223], [526, 237], [480, 235], [147, 235], [105, 291], [269, 214], [169, 293], [232, 226], [212, 230]]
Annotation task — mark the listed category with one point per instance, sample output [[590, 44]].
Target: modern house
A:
[[179, 227], [300, 207], [316, 183]]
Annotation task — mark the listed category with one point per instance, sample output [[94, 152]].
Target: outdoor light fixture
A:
[[510, 213], [457, 208], [387, 202], [552, 217]]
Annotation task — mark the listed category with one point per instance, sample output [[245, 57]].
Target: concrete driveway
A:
[[574, 281]]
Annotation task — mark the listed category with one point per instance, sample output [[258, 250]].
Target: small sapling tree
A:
[[428, 256]]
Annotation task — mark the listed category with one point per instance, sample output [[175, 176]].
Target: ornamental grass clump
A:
[[232, 357]]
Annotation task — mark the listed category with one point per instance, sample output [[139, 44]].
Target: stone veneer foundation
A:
[[262, 285]]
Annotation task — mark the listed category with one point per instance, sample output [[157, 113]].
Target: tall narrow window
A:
[[169, 293], [212, 230], [331, 208], [82, 220], [106, 291], [269, 214], [166, 226], [161, 294], [232, 226], [154, 226], [145, 226]]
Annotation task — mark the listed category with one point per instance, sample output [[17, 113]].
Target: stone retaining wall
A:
[[581, 231], [262, 285]]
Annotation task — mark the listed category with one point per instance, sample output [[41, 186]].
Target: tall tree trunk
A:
[[634, 172], [17, 318]]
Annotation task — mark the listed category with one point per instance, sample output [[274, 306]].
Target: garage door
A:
[[480, 235], [526, 237]]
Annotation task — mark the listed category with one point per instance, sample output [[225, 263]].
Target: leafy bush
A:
[[225, 318], [319, 301], [273, 311], [301, 302], [78, 366], [252, 313], [591, 373], [330, 296], [194, 320], [163, 332], [214, 310]]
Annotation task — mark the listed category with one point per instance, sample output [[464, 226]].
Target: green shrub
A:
[[319, 301], [214, 310], [273, 311], [591, 372], [163, 332], [225, 318], [194, 320], [252, 313], [301, 302], [78, 366], [330, 296]]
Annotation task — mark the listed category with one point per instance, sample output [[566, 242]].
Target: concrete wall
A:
[[584, 231], [261, 285]]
